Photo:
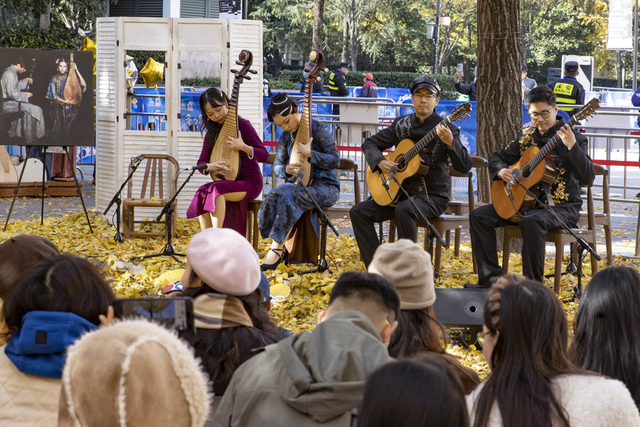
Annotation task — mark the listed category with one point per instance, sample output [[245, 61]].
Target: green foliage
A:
[[20, 22], [33, 38], [201, 82]]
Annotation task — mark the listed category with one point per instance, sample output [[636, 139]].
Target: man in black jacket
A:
[[431, 191], [336, 84], [574, 169]]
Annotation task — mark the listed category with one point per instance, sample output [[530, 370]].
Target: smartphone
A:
[[460, 67], [171, 312]]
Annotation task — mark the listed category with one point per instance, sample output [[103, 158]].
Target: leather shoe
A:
[[475, 286], [282, 255]]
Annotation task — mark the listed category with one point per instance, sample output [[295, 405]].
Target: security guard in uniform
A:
[[337, 85], [568, 90]]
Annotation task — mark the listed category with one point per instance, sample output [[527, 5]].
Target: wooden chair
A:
[[253, 234], [158, 186], [602, 217], [560, 237], [338, 212], [456, 216]]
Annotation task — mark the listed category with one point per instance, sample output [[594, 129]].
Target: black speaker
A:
[[461, 311]]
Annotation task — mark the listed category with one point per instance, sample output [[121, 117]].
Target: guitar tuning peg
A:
[[253, 71], [246, 77], [239, 62], [234, 71]]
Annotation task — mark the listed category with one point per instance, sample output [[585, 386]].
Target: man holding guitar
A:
[[573, 168], [431, 190]]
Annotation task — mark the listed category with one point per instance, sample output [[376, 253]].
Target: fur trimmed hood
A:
[[133, 373]]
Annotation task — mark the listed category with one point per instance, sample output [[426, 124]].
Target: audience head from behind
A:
[[62, 290], [223, 278], [408, 267], [318, 377], [414, 393], [18, 255], [606, 338], [54, 303], [525, 342], [370, 294], [133, 373]]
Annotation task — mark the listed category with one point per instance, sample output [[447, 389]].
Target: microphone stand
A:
[[119, 237], [432, 229], [583, 245], [168, 209], [324, 222]]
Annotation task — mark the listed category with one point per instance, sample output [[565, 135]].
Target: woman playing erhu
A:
[[284, 205], [224, 203]]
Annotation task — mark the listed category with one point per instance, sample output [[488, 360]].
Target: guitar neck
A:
[[548, 148], [422, 143]]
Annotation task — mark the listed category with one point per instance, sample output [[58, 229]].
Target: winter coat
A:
[[589, 400], [310, 379], [31, 367]]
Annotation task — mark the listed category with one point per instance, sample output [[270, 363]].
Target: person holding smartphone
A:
[[470, 89]]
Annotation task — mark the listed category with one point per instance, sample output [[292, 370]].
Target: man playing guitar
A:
[[573, 167], [431, 191]]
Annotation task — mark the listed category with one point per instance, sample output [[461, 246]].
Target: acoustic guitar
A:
[[303, 134], [230, 125], [533, 168], [406, 155]]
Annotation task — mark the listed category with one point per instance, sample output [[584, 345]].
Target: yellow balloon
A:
[[152, 73]]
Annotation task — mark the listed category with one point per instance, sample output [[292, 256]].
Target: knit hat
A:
[[225, 261], [18, 255], [133, 373], [408, 267]]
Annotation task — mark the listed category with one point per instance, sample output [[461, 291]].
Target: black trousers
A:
[[534, 226], [365, 215]]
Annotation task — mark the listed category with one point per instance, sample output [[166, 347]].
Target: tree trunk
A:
[[353, 44], [318, 25], [499, 65], [345, 41]]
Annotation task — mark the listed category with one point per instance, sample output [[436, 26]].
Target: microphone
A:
[[514, 175], [199, 167], [392, 172], [138, 160], [384, 183]]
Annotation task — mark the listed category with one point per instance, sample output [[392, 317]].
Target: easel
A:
[[17, 188]]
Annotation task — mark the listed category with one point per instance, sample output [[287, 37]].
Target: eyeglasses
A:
[[536, 115], [424, 95]]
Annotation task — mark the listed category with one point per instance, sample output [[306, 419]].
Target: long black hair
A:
[[216, 98], [414, 393], [222, 351], [607, 336], [530, 330]]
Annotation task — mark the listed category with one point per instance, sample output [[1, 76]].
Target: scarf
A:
[[219, 311]]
